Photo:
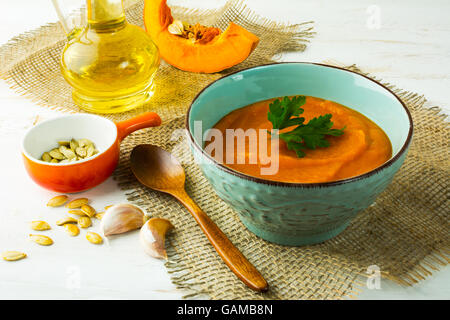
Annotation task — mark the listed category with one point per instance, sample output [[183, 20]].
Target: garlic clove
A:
[[153, 236], [121, 218]]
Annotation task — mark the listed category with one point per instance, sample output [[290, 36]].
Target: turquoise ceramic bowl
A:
[[296, 213]]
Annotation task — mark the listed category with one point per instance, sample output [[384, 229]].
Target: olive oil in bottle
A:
[[109, 63]]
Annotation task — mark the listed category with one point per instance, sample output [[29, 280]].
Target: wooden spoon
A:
[[159, 170]]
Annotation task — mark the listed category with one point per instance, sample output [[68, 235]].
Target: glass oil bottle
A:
[[109, 63]]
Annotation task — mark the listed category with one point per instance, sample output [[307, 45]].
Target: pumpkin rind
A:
[[229, 48]]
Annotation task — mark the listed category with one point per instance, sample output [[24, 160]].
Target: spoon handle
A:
[[231, 255]]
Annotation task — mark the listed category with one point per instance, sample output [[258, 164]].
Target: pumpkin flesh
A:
[[213, 54]]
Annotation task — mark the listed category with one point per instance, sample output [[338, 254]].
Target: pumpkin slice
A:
[[196, 48]]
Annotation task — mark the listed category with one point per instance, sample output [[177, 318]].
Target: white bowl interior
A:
[[45, 136]]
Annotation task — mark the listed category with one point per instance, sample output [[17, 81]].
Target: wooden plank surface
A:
[[403, 42]]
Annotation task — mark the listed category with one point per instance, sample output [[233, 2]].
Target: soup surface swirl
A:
[[363, 147]]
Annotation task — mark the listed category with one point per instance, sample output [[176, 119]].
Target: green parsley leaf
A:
[[282, 111], [285, 112]]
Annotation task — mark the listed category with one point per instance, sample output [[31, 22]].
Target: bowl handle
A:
[[145, 120]]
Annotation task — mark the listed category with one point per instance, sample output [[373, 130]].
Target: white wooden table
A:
[[404, 42]]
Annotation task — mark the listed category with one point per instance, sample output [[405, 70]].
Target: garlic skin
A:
[[153, 236], [121, 218]]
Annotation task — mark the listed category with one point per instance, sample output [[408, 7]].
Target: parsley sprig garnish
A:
[[285, 112]]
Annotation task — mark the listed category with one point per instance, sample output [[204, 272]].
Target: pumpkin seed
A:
[[13, 255], [94, 238], [46, 157], [81, 152], [176, 27], [73, 145], [56, 154], [90, 151], [77, 203], [66, 220], [88, 210], [72, 229], [39, 225], [84, 142], [68, 153], [84, 222], [54, 161], [57, 201], [64, 143], [40, 239], [99, 215], [77, 213], [186, 25]]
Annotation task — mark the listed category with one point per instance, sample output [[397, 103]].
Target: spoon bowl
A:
[[156, 168]]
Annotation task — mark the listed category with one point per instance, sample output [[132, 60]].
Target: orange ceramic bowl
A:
[[84, 174]]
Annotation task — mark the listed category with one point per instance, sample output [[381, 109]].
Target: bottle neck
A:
[[105, 13]]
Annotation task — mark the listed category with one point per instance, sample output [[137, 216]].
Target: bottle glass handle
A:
[[72, 15]]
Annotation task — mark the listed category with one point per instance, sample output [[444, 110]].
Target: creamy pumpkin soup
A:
[[350, 145]]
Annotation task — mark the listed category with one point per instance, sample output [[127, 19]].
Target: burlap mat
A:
[[405, 233]]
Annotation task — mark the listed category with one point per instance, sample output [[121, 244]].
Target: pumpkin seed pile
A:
[[195, 33], [78, 207], [70, 151]]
